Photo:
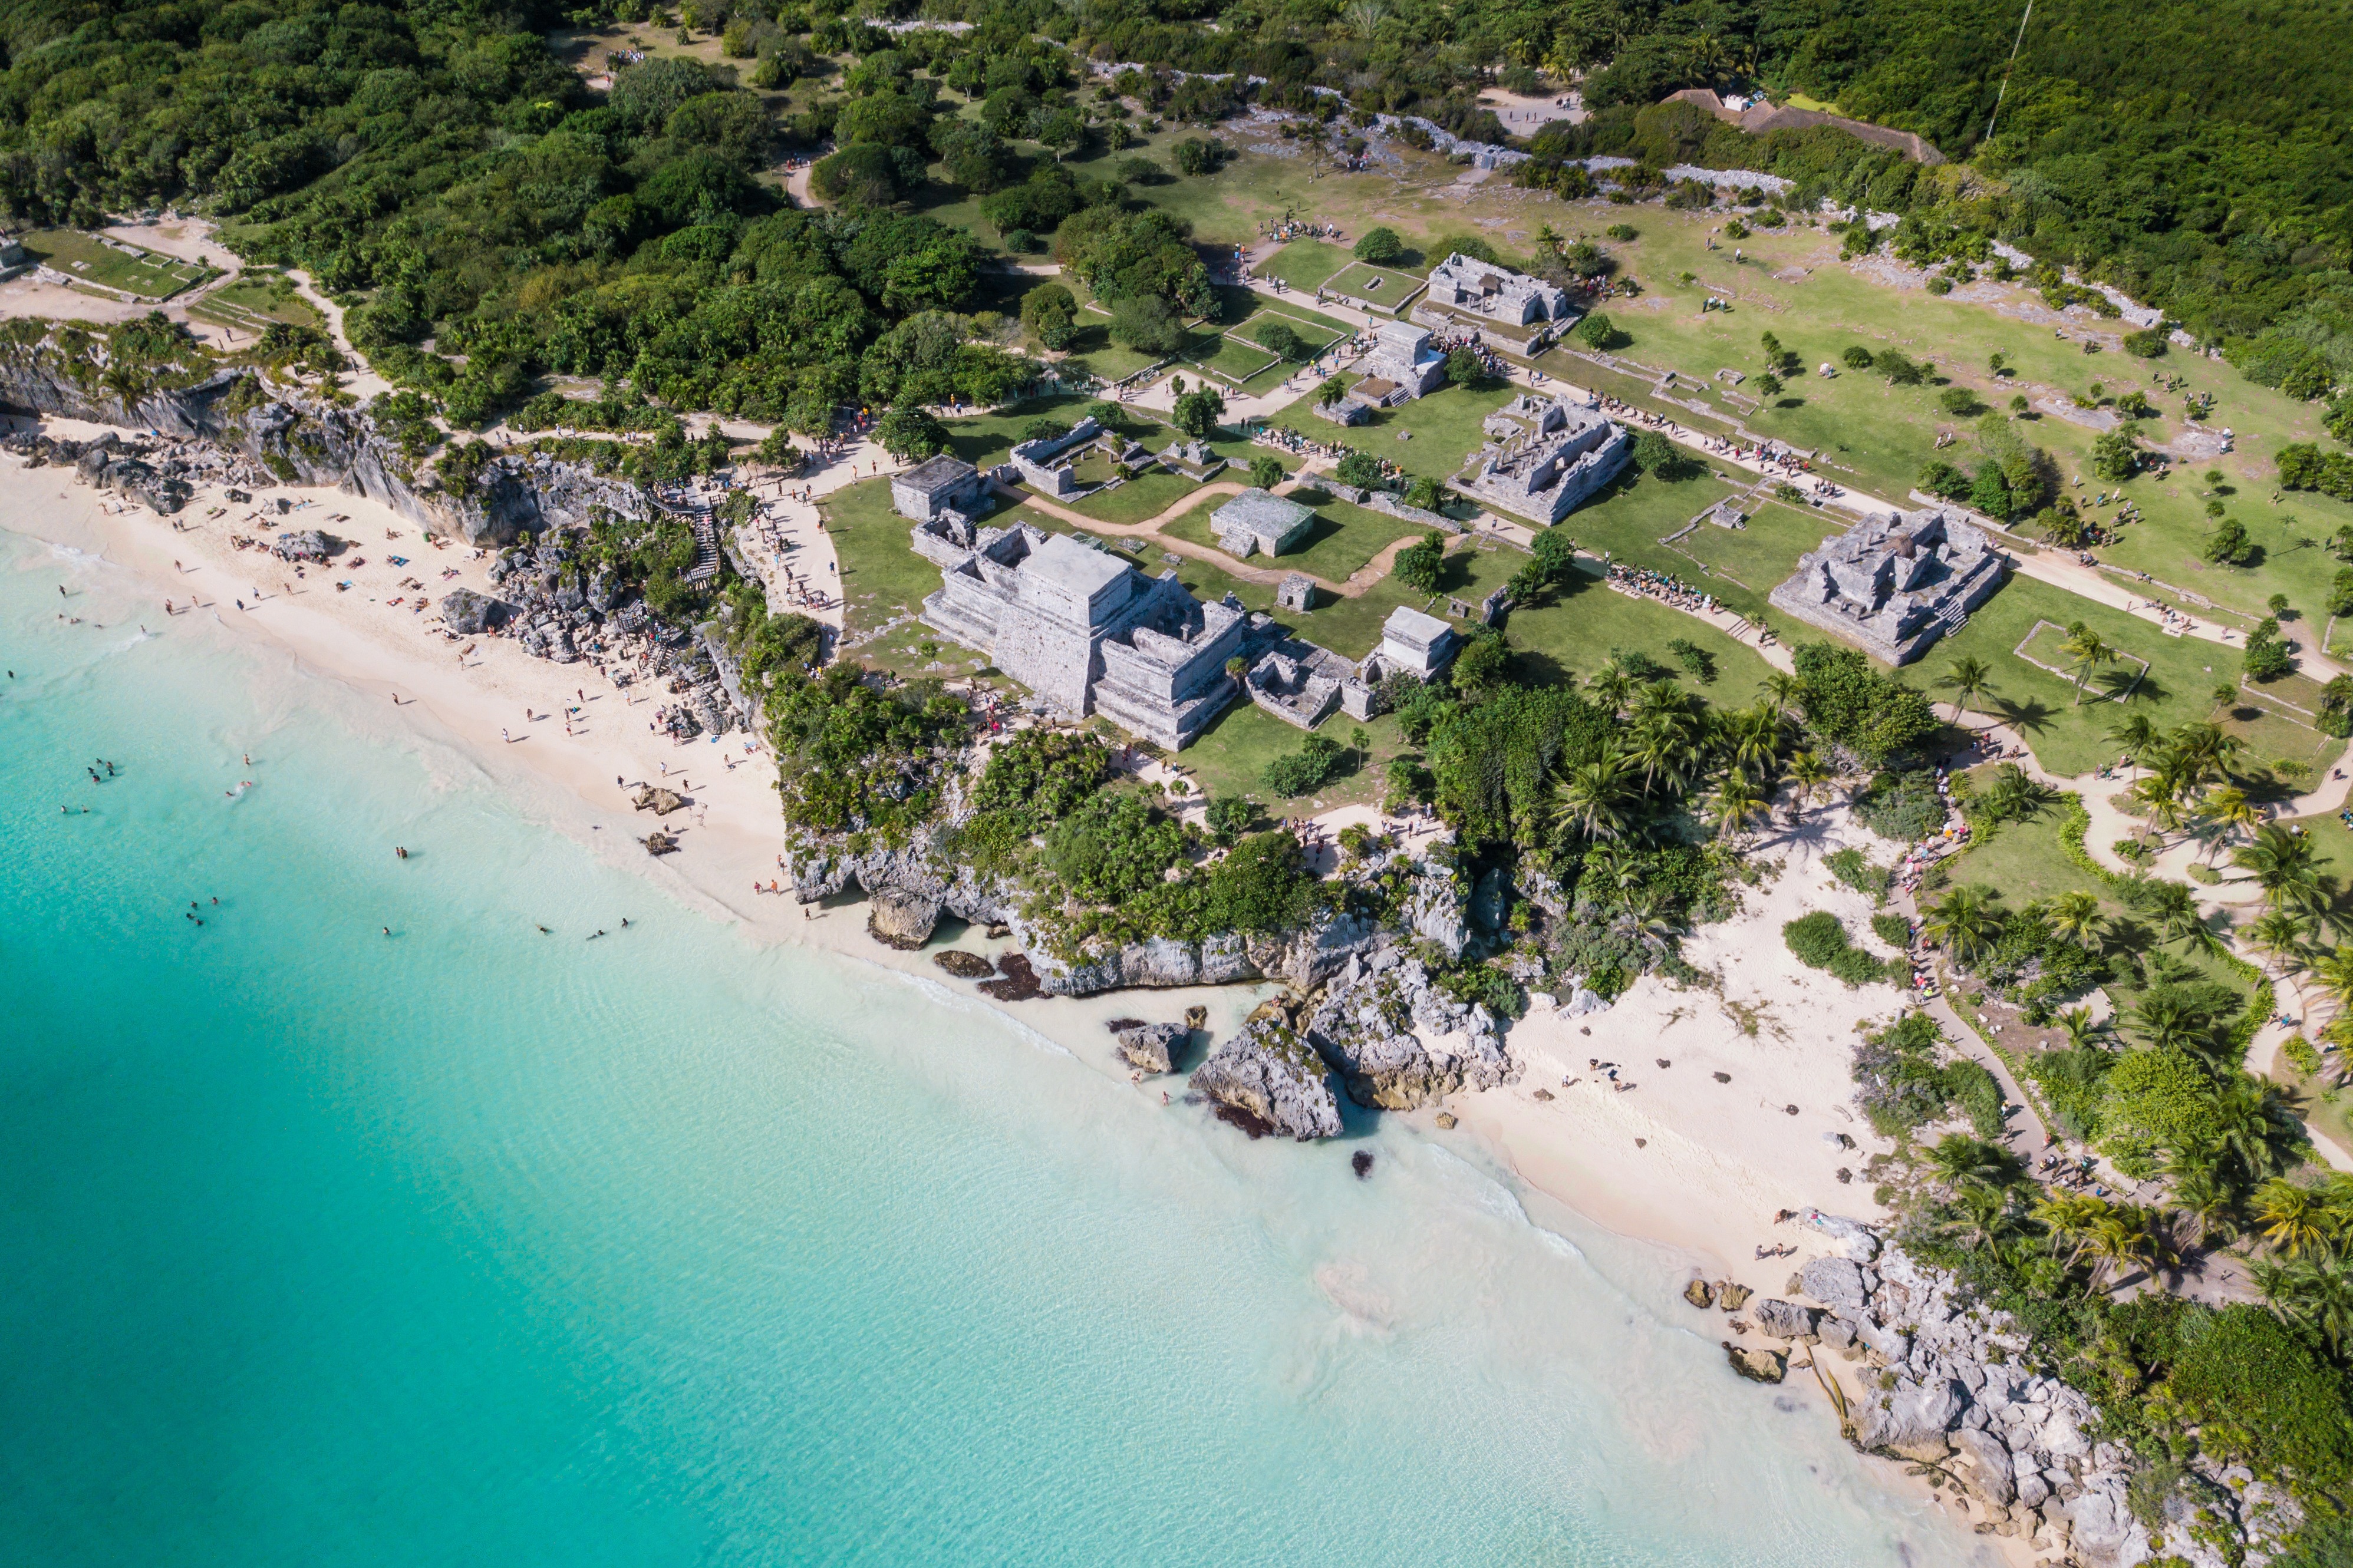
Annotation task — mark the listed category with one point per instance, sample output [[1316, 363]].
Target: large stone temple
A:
[[1894, 584]]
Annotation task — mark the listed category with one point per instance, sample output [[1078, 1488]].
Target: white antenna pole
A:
[[2005, 75]]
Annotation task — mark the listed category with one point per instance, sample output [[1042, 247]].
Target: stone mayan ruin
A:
[[1545, 457], [1086, 633], [1402, 365], [1044, 462], [1258, 521], [937, 485], [1894, 584], [1465, 284]]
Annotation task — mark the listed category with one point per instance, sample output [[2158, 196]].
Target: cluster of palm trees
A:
[[2187, 776], [1671, 742]]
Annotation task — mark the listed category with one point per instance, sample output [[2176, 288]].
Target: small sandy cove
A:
[[1679, 1158]]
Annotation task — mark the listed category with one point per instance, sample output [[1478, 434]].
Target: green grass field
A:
[[1304, 263], [1760, 556], [1229, 358], [1336, 545], [2072, 739], [1377, 287], [111, 265], [1431, 435], [1318, 333], [253, 302]]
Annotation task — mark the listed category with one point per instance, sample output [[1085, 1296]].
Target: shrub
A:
[[1278, 338], [1380, 246], [1697, 662], [2149, 342], [1902, 806], [1820, 943], [1849, 704], [1853, 868], [1359, 470], [1892, 929], [1597, 332], [1419, 565], [1856, 358], [1306, 769], [1621, 231]]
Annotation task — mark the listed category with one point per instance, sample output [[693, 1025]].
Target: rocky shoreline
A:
[[1927, 1377]]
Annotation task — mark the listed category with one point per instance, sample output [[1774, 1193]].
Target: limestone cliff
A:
[[304, 439]]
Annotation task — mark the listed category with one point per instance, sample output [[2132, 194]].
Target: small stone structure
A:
[[1299, 682], [1412, 643], [1348, 410], [1548, 459], [1466, 283], [1894, 584], [1401, 366], [1193, 459], [937, 485], [1295, 591], [1260, 520], [1038, 461], [1090, 634]]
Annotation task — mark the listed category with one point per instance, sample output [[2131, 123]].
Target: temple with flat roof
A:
[[1897, 582], [1088, 632]]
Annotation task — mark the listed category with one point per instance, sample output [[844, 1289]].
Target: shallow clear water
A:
[[480, 1245]]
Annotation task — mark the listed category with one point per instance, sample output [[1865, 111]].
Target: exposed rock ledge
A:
[[311, 442], [1945, 1385], [1270, 1080]]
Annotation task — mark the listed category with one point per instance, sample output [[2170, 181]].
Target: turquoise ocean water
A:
[[480, 1245]]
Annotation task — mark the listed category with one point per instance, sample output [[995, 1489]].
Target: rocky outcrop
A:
[[899, 919], [1434, 910], [300, 438], [1936, 1379], [654, 798], [1785, 1321], [1756, 1364], [964, 965], [1152, 1047], [1398, 1042], [469, 614], [1268, 1079], [1700, 1294]]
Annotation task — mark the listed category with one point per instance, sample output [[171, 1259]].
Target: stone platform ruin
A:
[[1894, 584], [1545, 457]]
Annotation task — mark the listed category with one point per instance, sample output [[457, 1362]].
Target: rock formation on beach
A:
[[1151, 1048], [1398, 1042], [1928, 1376], [901, 919], [1272, 1080]]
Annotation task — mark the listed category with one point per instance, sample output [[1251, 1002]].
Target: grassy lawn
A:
[[1342, 539], [981, 439], [1316, 337], [1375, 288], [1431, 435], [1229, 358], [1231, 755], [1879, 436], [1148, 495], [1314, 327], [2027, 860], [253, 302], [112, 265], [1304, 263], [2071, 739], [1762, 555], [882, 575]]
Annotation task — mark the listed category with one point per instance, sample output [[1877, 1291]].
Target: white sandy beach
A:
[[1695, 1167], [1718, 1160]]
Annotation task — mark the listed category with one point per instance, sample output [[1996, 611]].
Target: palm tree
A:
[[2293, 1219], [2318, 1292], [1610, 686], [1753, 736], [1613, 867], [1811, 777], [2283, 864], [1983, 1217], [1965, 921], [1785, 691], [2206, 1201], [2083, 1030], [2075, 915], [2159, 799], [2334, 969], [2073, 1219], [1591, 797], [2206, 750], [2256, 1128], [2137, 737], [1959, 1161], [2085, 652], [2130, 1234], [2229, 808], [1667, 745], [2279, 936], [1735, 804], [2166, 1022], [1968, 679]]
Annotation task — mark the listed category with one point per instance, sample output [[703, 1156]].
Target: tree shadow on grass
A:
[[2032, 717]]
